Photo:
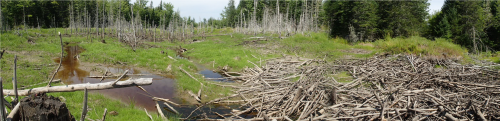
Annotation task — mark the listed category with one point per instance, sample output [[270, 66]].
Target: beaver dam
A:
[[395, 87]]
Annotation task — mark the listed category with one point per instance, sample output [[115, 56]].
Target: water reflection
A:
[[70, 70]]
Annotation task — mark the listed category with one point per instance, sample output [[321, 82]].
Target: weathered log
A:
[[160, 112], [150, 117], [194, 96], [165, 100], [190, 76], [118, 79], [78, 87]]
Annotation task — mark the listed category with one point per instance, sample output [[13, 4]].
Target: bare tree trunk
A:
[[279, 20], [102, 23], [133, 27], [119, 22], [254, 19], [474, 40], [154, 35], [24, 19], [86, 21], [2, 26], [97, 19], [71, 18]]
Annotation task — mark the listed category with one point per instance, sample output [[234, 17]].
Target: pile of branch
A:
[[396, 87]]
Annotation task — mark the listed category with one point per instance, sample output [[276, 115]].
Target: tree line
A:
[[50, 14], [472, 24]]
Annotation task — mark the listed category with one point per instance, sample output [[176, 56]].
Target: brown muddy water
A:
[[71, 73], [163, 86]]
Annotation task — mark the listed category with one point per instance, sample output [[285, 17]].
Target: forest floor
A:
[[37, 49]]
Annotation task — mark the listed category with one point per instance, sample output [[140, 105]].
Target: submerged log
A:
[[77, 87]]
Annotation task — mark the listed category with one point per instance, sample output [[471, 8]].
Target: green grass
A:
[[441, 48], [224, 50], [319, 45], [97, 103], [34, 59], [490, 56]]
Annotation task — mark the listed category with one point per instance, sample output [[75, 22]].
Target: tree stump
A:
[[40, 107]]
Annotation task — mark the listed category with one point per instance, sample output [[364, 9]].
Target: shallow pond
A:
[[163, 86]]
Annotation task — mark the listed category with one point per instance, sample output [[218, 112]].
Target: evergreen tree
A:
[[493, 29], [369, 20], [365, 19], [229, 14], [402, 18], [439, 26], [467, 22]]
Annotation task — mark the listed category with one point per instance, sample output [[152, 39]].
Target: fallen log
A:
[[77, 87]]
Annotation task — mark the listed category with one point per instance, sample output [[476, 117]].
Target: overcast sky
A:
[[213, 8]]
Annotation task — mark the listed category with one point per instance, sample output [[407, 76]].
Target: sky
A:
[[200, 9]]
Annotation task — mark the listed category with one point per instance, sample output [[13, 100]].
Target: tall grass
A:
[[440, 48], [319, 45], [224, 50]]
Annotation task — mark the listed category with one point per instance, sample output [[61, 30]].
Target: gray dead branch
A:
[[390, 87]]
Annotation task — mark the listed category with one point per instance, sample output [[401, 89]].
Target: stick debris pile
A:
[[396, 87]]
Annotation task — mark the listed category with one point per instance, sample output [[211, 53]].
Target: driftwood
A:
[[394, 87], [116, 76], [77, 87], [191, 76], [150, 117], [60, 61], [158, 108], [118, 79], [194, 96]]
